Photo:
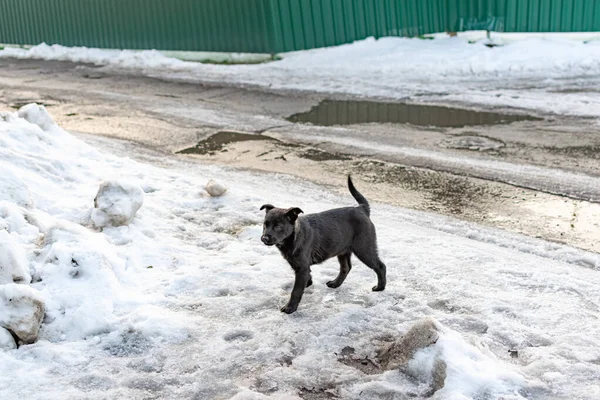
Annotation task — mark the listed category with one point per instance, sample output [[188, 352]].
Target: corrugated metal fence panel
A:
[[546, 15], [208, 25], [271, 26], [305, 24]]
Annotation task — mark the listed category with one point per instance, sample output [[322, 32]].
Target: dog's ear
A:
[[268, 207], [292, 213]]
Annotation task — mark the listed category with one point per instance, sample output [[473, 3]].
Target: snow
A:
[[6, 340], [13, 263], [548, 73], [183, 302]]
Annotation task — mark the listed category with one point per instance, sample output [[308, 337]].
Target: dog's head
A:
[[279, 223]]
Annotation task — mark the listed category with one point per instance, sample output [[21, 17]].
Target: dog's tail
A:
[[359, 197]]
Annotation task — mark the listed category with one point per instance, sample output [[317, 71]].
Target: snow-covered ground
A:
[[549, 73], [183, 302]]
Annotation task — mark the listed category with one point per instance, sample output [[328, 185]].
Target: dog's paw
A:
[[333, 284], [378, 288], [288, 309]]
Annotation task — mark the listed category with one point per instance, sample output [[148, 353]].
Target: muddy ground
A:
[[533, 174]]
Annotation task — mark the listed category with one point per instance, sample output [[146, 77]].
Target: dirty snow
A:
[[116, 203], [549, 73], [21, 311], [183, 302]]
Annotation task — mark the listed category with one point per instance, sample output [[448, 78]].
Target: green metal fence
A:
[[273, 26]]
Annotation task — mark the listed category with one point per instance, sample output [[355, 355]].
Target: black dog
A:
[[314, 238]]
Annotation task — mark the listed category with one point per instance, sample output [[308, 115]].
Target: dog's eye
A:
[[278, 228]]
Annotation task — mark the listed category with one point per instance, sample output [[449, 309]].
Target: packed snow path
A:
[[184, 301]]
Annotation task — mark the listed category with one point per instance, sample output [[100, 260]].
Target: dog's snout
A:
[[267, 239]]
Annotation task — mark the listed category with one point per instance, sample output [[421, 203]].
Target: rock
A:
[[422, 334], [6, 340], [36, 114], [21, 311], [215, 189], [13, 263], [116, 203]]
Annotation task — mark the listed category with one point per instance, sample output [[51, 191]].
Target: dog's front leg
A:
[[302, 277]]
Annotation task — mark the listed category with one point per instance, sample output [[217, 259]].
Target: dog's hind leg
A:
[[345, 267], [365, 248]]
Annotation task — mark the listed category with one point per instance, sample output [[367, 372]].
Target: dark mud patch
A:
[[222, 139], [336, 112], [448, 192], [347, 356], [17, 104], [592, 151], [316, 394], [320, 155]]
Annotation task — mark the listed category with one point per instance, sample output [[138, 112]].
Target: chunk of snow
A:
[[465, 371], [215, 189], [13, 262], [38, 115], [116, 203], [21, 311]]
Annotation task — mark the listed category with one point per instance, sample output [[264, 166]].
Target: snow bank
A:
[[549, 73], [45, 211]]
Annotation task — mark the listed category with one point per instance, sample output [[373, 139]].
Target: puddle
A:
[[333, 112], [219, 140]]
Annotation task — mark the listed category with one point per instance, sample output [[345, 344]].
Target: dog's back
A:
[[333, 232]]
